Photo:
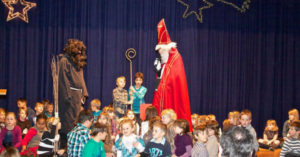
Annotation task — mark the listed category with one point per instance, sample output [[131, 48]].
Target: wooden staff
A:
[[55, 73], [130, 54]]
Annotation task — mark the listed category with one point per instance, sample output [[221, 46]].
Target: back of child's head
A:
[[161, 126], [295, 113], [194, 116], [10, 152], [97, 127], [246, 112], [150, 112], [271, 122], [108, 109], [211, 117], [183, 124], [201, 119], [226, 125], [85, 115], [170, 113], [139, 75], [96, 103], [296, 124]]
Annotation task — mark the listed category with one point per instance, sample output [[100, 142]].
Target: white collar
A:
[[163, 141]]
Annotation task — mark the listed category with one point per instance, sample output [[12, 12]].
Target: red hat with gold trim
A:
[[164, 40]]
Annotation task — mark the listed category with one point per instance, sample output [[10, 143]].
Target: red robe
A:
[[172, 91]]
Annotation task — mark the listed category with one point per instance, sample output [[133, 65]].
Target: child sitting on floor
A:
[[270, 134], [10, 135]]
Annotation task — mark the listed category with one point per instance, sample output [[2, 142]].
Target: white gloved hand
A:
[[157, 64]]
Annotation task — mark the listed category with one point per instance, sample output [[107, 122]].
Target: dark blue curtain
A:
[[233, 60]]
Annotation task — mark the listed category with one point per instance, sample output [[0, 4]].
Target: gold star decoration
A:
[[242, 9], [12, 15], [197, 13]]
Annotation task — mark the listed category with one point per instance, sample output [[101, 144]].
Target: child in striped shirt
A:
[[291, 145]]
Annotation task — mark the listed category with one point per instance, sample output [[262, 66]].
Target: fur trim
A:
[[168, 46]]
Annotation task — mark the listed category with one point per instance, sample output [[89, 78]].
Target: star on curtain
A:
[[12, 15], [197, 13]]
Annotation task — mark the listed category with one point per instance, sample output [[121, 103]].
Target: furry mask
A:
[[77, 52]]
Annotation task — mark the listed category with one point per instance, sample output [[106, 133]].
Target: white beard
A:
[[164, 57]]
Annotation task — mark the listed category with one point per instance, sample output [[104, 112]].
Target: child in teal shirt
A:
[[94, 147]]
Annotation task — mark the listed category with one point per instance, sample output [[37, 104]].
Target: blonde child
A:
[[270, 134], [23, 122], [168, 117], [200, 134], [128, 144], [194, 118], [94, 147], [46, 145], [120, 97], [10, 135], [32, 139], [183, 143], [2, 118], [234, 118], [212, 144], [150, 113], [245, 121], [293, 115], [130, 115], [95, 106]]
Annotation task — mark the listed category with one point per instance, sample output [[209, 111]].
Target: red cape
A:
[[172, 91]]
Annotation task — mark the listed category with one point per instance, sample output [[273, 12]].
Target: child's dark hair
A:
[[41, 116], [10, 152], [150, 112], [22, 100], [98, 128], [85, 115], [183, 124]]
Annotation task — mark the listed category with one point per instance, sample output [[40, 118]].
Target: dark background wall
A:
[[233, 60]]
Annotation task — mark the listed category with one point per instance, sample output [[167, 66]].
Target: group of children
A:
[[116, 130]]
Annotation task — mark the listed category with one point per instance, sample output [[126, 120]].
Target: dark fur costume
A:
[[72, 89]]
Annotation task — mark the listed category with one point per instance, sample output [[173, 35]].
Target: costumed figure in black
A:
[[72, 91]]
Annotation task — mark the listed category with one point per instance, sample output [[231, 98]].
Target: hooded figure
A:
[[171, 88], [72, 91]]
